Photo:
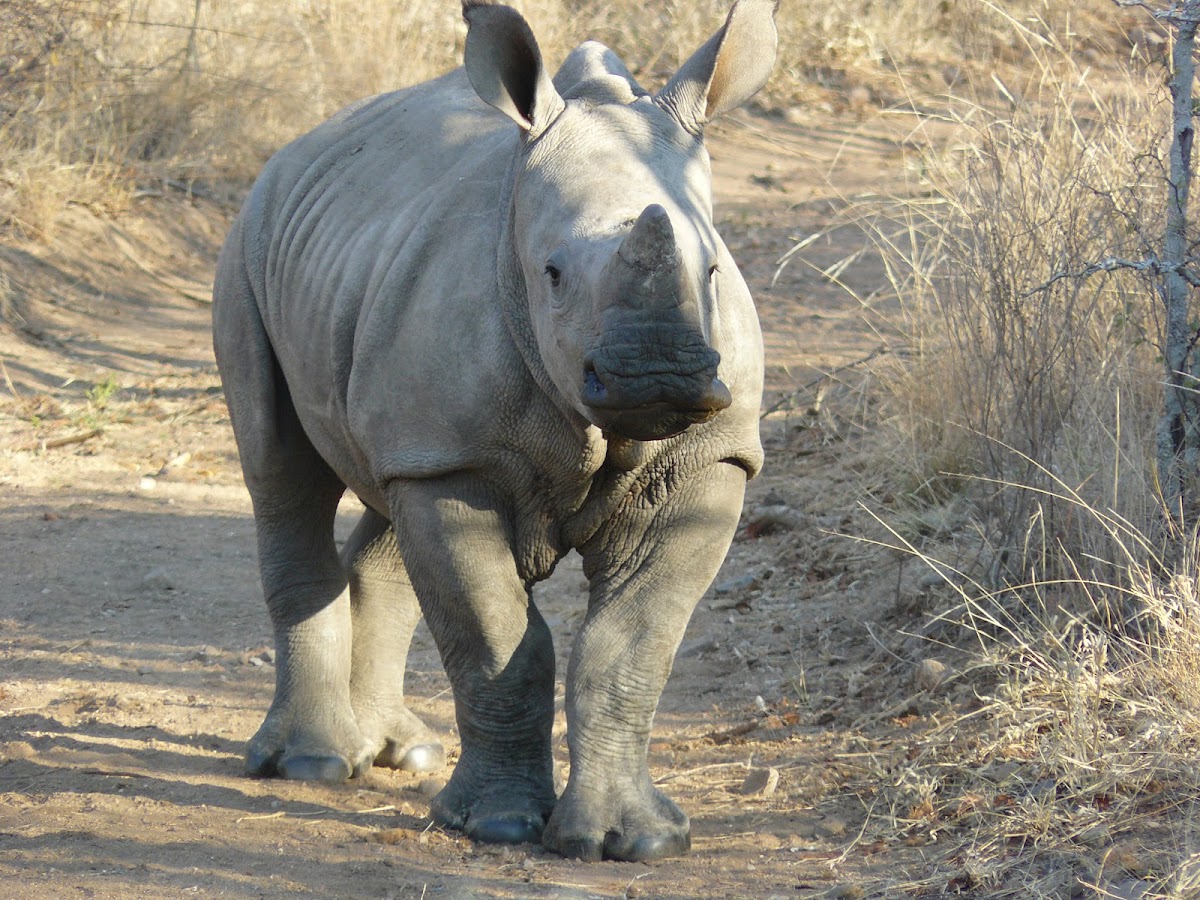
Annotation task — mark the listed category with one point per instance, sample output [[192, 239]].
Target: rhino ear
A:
[[504, 65], [728, 70]]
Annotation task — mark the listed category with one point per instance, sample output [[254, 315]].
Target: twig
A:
[[721, 737], [274, 815], [673, 775], [53, 443], [12, 389]]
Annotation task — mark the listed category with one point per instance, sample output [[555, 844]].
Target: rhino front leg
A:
[[384, 613], [497, 651], [646, 581]]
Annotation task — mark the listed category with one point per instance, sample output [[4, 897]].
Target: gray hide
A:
[[494, 307]]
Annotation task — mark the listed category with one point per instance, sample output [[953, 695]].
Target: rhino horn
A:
[[647, 262], [651, 244]]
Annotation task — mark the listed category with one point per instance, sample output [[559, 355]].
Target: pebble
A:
[[736, 584], [762, 781], [831, 827], [697, 647], [147, 483], [929, 675], [1097, 835], [771, 519], [158, 580]]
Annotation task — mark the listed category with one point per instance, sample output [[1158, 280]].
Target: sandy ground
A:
[[134, 645]]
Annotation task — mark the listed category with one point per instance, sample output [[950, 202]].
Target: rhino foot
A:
[[331, 768], [631, 825], [409, 746], [307, 753], [509, 813]]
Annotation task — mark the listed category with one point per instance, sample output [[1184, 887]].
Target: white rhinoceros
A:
[[494, 307]]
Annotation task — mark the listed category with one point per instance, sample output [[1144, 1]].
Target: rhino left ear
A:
[[728, 70], [504, 65]]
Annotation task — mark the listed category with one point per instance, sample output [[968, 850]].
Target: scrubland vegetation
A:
[[1020, 403]]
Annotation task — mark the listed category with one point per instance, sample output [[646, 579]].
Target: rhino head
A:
[[610, 241]]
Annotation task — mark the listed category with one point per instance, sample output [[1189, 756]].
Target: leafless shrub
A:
[[1030, 394], [1032, 358]]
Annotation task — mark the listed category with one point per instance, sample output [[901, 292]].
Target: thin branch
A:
[[1150, 265]]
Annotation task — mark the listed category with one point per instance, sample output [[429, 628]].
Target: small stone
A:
[[1097, 835], [255, 661], [174, 463], [859, 98], [773, 519], [158, 580], [736, 584], [147, 483], [929, 675], [697, 647], [762, 781], [831, 827], [390, 836], [933, 579]]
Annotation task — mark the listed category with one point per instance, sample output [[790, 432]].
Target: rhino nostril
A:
[[594, 390]]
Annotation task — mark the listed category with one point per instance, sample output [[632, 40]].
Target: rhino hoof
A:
[[316, 767], [586, 849], [423, 758], [506, 828], [646, 848]]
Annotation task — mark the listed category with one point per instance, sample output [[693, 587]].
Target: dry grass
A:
[[98, 97], [1030, 359], [1028, 397]]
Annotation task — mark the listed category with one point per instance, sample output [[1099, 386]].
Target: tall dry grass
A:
[[100, 96], [1029, 398]]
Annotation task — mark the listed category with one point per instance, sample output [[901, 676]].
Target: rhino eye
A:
[[712, 271], [554, 273]]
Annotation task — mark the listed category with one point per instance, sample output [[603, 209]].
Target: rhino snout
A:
[[652, 407]]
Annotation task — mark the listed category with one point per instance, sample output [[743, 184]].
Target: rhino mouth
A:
[[646, 410]]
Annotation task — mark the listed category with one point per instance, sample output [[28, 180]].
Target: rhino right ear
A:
[[504, 65], [728, 70]]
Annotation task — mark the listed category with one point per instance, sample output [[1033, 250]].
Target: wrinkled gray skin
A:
[[495, 308]]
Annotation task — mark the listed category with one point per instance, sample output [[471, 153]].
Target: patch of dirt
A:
[[135, 649]]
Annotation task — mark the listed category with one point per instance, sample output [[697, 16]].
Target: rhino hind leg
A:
[[384, 613], [497, 651], [309, 732]]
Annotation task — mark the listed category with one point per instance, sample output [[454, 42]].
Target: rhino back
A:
[[371, 246]]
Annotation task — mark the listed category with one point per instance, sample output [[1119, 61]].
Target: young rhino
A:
[[511, 329]]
